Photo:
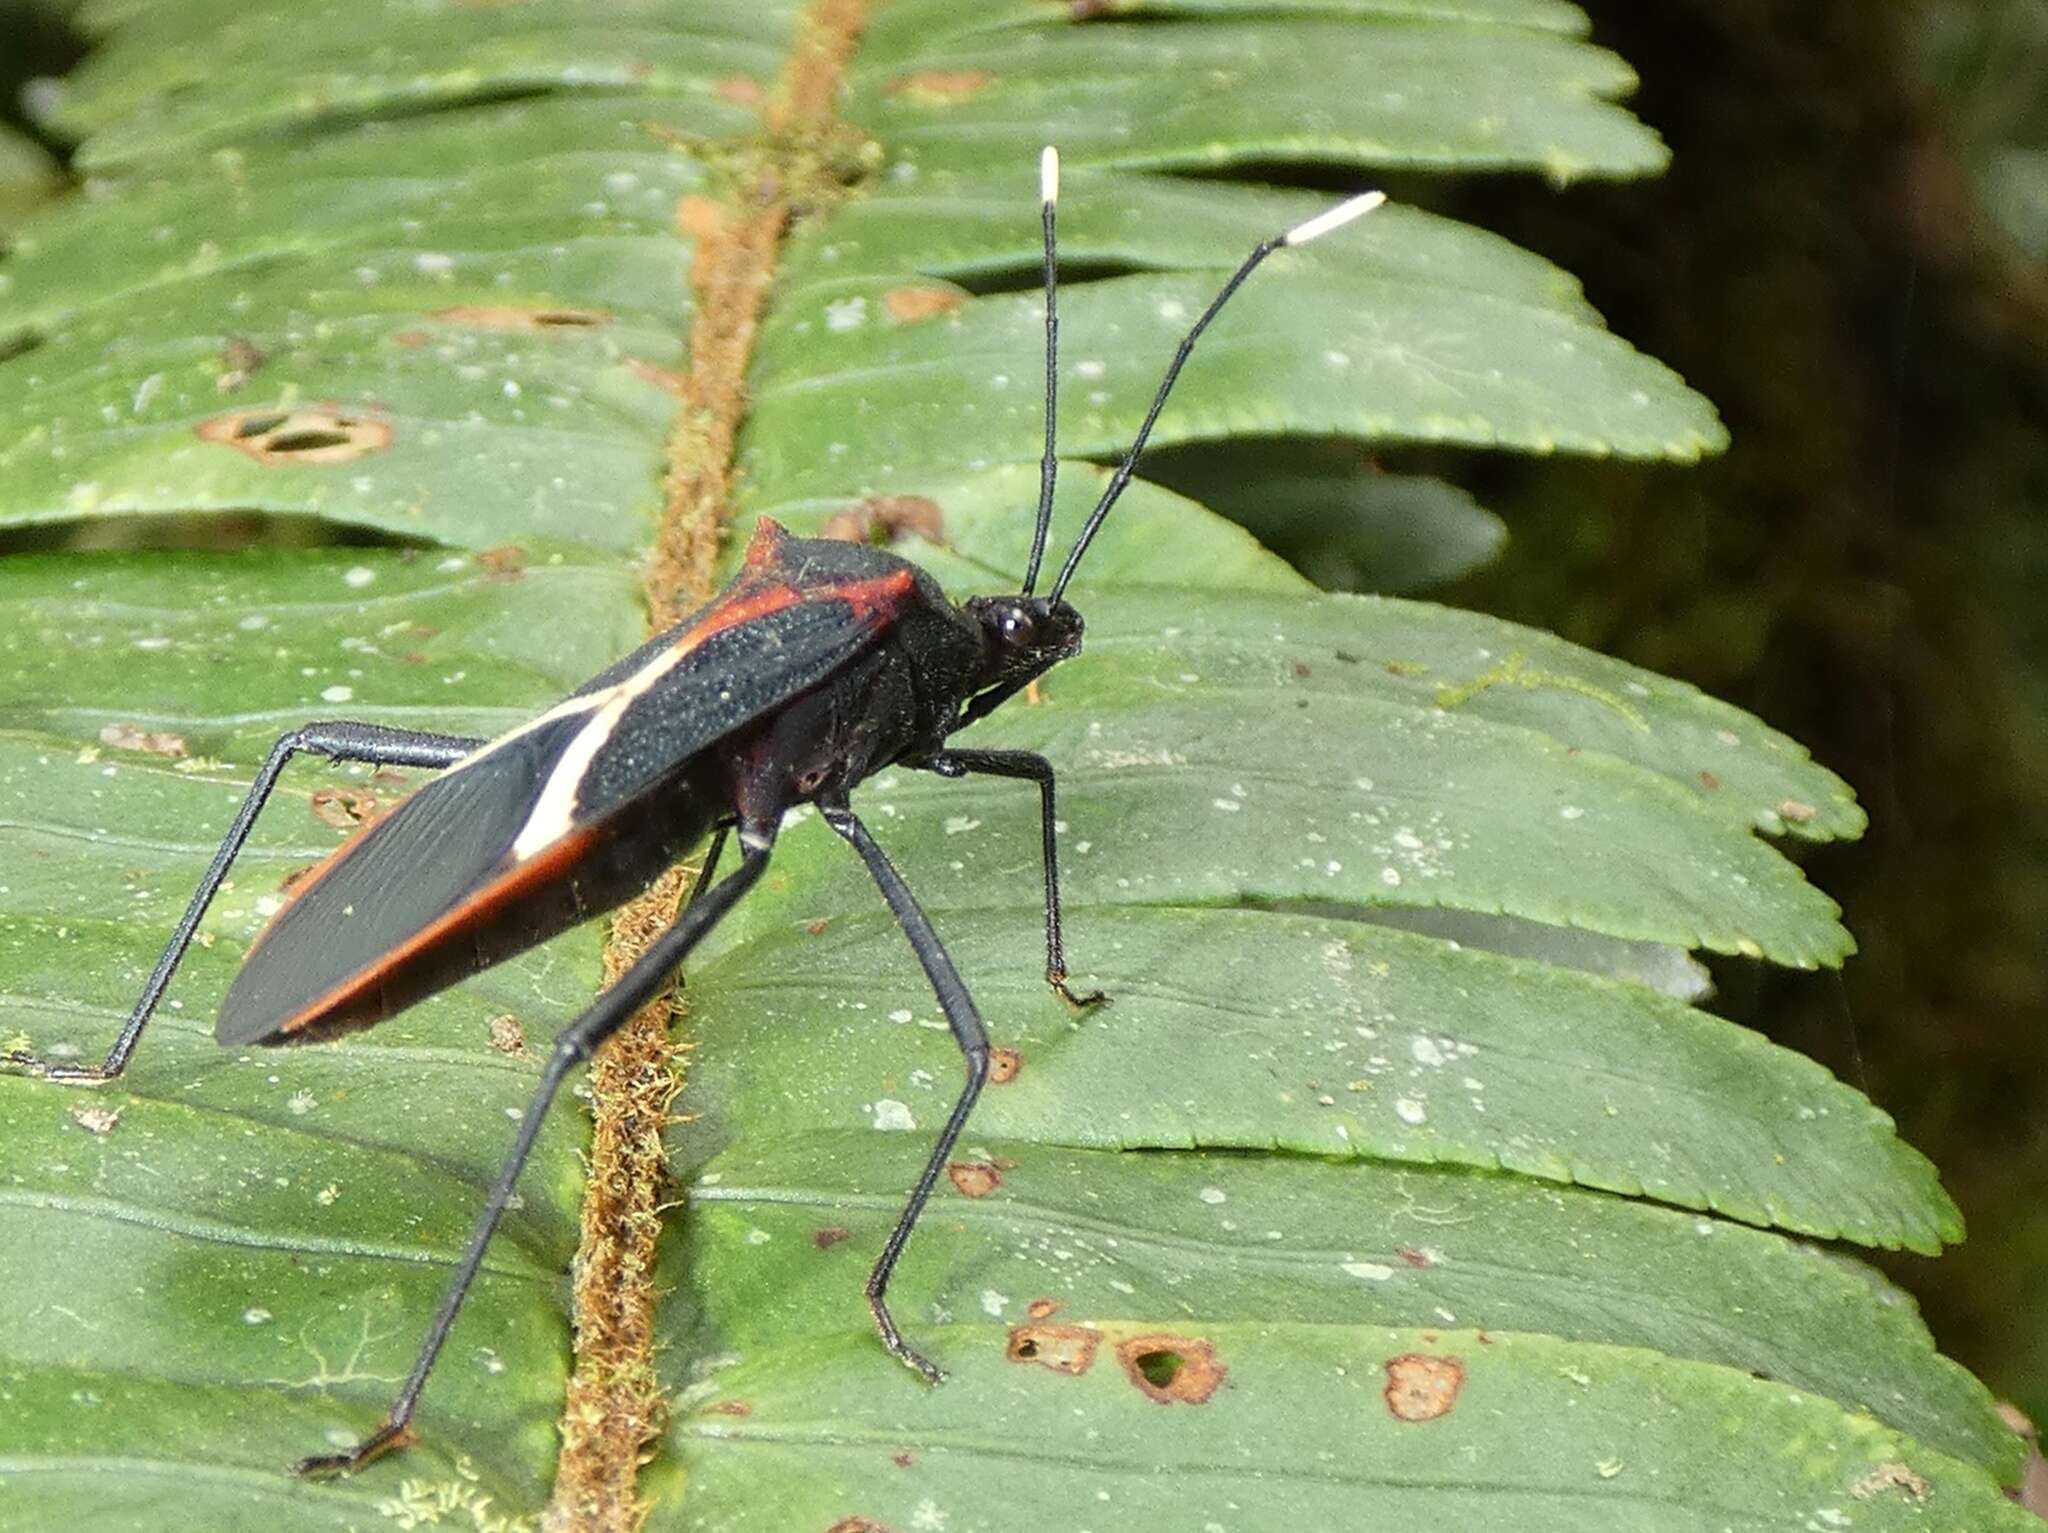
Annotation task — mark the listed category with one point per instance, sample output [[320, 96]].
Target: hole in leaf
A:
[[1062, 1348], [1172, 1369], [1160, 1368], [307, 439], [315, 435]]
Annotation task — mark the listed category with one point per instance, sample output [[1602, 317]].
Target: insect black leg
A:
[[576, 1043], [711, 855], [968, 1031], [372, 743], [1034, 768]]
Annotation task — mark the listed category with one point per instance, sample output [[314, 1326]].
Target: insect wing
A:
[[501, 827], [443, 849]]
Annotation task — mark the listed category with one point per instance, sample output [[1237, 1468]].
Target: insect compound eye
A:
[[1017, 628]]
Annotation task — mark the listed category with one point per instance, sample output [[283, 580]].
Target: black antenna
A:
[[1048, 466], [1300, 234]]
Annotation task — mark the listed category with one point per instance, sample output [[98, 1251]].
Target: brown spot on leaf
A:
[[1421, 1387], [941, 87], [1003, 1065], [886, 519], [1792, 809], [1042, 1309], [1301, 671], [1413, 1257], [1088, 10], [974, 1178], [239, 361], [503, 564], [1172, 1369], [507, 1036], [96, 1120], [816, 928], [133, 737], [512, 316], [1888, 1477], [830, 1236], [1710, 781], [729, 1408], [667, 379], [904, 1459], [742, 90], [314, 435], [343, 808], [912, 305], [1062, 1348], [859, 1525]]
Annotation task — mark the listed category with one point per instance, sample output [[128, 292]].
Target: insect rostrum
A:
[[821, 663]]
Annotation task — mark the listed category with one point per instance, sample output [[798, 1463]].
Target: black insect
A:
[[820, 664]]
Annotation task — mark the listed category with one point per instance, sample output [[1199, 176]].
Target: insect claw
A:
[[918, 1363], [1088, 1002], [900, 1349], [63, 1075], [326, 1466]]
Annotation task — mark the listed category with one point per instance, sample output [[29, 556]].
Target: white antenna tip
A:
[[1336, 218], [1049, 174]]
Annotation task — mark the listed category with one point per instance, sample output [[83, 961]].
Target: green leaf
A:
[[1472, 95], [1387, 1045], [1539, 1435], [233, 651], [1314, 1241], [1396, 903]]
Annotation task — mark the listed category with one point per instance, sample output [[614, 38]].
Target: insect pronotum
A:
[[820, 664]]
